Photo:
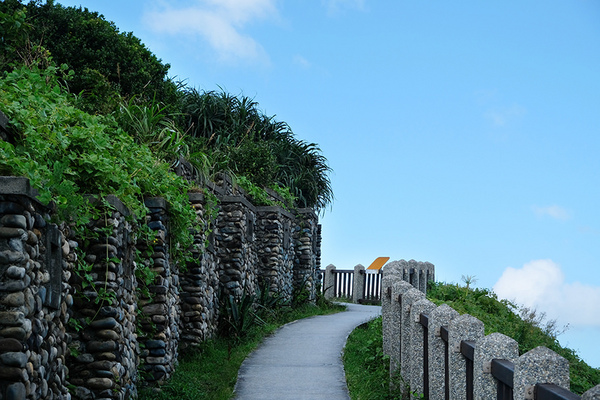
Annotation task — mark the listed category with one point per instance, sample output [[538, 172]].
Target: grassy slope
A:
[[367, 373]]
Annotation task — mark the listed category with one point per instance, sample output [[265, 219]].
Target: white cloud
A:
[[221, 23], [502, 116], [335, 6], [301, 61], [540, 284], [552, 211]]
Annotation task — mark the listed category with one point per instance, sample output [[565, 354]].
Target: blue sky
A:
[[460, 133]]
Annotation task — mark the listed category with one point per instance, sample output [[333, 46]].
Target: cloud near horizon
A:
[[540, 284], [220, 23]]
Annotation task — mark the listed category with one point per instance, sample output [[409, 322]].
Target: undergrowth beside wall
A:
[[210, 370], [367, 368]]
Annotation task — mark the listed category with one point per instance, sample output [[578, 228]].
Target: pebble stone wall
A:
[[62, 339], [103, 355], [34, 297], [275, 252]]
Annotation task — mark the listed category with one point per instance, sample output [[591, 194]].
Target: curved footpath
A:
[[302, 360]]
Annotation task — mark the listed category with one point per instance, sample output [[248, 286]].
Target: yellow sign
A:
[[378, 263]]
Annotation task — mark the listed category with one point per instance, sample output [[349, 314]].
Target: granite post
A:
[[540, 365], [494, 345], [441, 316], [358, 284]]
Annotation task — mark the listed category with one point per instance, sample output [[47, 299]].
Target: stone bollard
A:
[[358, 284], [430, 274], [390, 275], [464, 327], [329, 282], [413, 273], [416, 344], [409, 297], [494, 345], [441, 316], [540, 365], [398, 290], [592, 394]]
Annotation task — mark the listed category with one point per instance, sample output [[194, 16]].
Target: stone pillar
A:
[[161, 310], [34, 296], [494, 345], [416, 343], [413, 273], [540, 365], [275, 251], [399, 288], [464, 327], [305, 262], [104, 359], [441, 316], [358, 284], [430, 273], [592, 394], [235, 236], [329, 282], [408, 298], [200, 280]]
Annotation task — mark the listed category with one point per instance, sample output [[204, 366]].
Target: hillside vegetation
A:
[[92, 111], [367, 369], [526, 326]]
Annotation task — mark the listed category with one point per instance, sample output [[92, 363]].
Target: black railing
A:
[[444, 336], [342, 282], [502, 370], [372, 290], [424, 319]]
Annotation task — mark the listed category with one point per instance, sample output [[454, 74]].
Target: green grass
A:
[[367, 369], [210, 370]]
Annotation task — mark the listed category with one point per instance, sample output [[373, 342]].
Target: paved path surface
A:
[[302, 360]]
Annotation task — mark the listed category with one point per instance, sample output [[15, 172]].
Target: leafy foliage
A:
[[67, 153]]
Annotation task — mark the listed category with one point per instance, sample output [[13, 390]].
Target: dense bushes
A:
[[115, 74]]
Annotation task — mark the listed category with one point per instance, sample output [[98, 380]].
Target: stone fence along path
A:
[[302, 360]]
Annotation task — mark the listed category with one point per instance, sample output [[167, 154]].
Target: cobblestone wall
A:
[[104, 353], [69, 327], [34, 297], [306, 234], [276, 251]]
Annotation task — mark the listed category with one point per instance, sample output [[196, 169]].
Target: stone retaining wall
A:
[[77, 320]]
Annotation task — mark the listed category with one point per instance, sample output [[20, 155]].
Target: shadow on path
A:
[[302, 360]]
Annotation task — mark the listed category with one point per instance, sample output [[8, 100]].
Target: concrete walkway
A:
[[302, 360]]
